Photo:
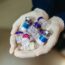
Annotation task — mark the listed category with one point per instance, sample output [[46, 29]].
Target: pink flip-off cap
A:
[[26, 36]]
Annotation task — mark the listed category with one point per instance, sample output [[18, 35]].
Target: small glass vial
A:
[[25, 41], [42, 40], [26, 24], [33, 30], [43, 36], [19, 36], [43, 22]]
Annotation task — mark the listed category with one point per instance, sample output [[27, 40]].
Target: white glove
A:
[[56, 25], [14, 49]]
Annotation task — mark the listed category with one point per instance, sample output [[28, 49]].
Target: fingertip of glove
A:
[[58, 20], [45, 15]]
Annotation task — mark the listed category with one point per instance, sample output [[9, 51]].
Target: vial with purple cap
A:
[[43, 22], [19, 36], [33, 29]]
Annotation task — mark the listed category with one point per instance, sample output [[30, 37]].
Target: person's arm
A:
[[50, 6], [47, 5]]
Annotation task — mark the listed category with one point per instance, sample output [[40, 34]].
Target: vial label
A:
[[19, 32], [33, 31], [18, 39]]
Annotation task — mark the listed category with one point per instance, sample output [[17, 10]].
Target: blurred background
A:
[[10, 10]]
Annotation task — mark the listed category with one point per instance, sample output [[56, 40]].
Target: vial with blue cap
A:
[[43, 36], [42, 40], [27, 23]]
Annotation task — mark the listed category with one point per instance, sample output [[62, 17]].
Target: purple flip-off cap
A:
[[42, 31], [37, 25], [40, 18], [19, 32]]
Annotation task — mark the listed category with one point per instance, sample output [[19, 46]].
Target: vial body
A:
[[27, 23], [19, 35]]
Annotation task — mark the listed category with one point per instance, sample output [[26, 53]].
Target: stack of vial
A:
[[40, 34], [32, 34]]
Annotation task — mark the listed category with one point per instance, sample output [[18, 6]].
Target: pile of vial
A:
[[32, 34]]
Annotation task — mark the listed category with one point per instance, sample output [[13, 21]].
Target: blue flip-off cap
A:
[[19, 32], [40, 18], [43, 38], [26, 25]]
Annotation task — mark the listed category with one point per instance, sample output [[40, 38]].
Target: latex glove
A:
[[14, 49], [57, 26]]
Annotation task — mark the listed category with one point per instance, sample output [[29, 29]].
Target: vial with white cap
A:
[[26, 24]]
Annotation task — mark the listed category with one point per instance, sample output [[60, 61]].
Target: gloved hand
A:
[[56, 25], [14, 49]]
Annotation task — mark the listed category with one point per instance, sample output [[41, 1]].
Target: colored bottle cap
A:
[[26, 36], [40, 18], [37, 25], [43, 38], [25, 42], [19, 32], [26, 25]]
